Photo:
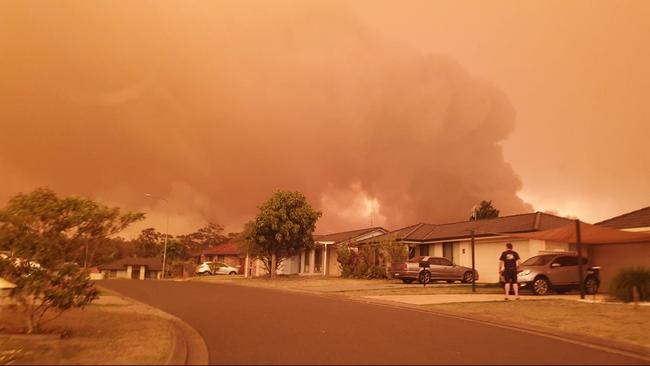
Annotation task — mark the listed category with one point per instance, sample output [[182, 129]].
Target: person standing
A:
[[508, 263]]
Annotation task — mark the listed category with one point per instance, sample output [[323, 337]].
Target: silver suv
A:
[[558, 272]]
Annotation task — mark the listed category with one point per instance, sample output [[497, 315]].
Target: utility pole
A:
[[579, 250], [473, 266]]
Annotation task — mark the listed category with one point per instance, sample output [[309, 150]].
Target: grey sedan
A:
[[439, 269]]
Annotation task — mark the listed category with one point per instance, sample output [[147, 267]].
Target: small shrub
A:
[[346, 257], [376, 272], [626, 279], [360, 269]]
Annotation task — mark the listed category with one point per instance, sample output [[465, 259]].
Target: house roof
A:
[[506, 224], [228, 248], [346, 235], [589, 234], [152, 263], [634, 219]]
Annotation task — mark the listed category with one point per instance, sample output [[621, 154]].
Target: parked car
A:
[[215, 268], [440, 269], [558, 272]]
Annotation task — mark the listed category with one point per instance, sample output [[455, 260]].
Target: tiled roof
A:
[[229, 248], [506, 224], [634, 219], [346, 235], [152, 263]]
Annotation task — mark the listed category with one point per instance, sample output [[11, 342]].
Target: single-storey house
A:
[[453, 240], [227, 253], [133, 268], [614, 257], [321, 260]]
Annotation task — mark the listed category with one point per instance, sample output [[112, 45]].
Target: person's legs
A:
[[507, 287], [516, 287]]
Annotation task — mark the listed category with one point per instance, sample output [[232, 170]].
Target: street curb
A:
[[188, 347], [637, 352]]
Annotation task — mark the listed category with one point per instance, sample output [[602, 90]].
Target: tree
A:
[[485, 210], [42, 227], [206, 237], [282, 228], [150, 243], [39, 291], [393, 251], [47, 236]]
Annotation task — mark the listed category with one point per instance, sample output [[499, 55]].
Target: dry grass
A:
[[359, 287], [95, 335], [618, 322], [431, 289]]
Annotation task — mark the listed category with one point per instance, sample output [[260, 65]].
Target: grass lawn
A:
[[618, 322], [96, 335], [430, 289], [362, 287]]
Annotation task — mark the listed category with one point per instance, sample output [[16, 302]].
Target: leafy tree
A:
[[150, 243], [46, 237], [206, 237], [282, 228], [485, 210], [39, 291], [393, 251], [50, 230]]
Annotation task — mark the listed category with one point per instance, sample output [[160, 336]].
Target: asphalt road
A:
[[243, 325]]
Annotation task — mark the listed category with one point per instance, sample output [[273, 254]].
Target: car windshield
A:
[[539, 260]]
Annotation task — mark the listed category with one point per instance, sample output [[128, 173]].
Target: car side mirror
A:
[[555, 264]]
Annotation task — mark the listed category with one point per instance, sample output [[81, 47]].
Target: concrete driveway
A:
[[245, 325]]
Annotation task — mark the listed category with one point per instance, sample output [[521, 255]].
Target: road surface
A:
[[244, 325]]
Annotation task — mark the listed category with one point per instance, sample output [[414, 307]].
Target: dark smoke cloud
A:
[[216, 104]]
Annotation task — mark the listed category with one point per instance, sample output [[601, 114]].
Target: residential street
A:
[[244, 325]]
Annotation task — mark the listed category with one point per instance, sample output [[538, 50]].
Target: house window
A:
[[221, 258], [448, 251], [411, 252], [424, 249]]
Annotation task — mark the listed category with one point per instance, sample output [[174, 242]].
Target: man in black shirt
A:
[[508, 263]]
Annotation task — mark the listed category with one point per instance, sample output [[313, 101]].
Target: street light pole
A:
[[166, 231]]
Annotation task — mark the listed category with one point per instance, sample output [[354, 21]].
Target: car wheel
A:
[[425, 277], [541, 286], [232, 273], [407, 280], [468, 277], [206, 273], [591, 285]]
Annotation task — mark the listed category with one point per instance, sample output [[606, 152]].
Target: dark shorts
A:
[[510, 276]]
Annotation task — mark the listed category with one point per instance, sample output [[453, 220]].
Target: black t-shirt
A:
[[509, 258]]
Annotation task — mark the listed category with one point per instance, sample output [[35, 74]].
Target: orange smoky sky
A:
[[379, 111]]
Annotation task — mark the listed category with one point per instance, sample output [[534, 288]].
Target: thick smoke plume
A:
[[216, 104]]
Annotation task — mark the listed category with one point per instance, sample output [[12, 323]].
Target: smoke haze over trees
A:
[[218, 104]]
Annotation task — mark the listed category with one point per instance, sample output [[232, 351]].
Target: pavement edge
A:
[[188, 347]]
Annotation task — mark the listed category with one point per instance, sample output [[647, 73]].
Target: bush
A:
[[376, 272], [345, 257], [360, 269], [626, 279]]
